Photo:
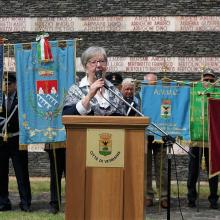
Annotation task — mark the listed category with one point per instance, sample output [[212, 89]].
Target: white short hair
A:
[[128, 81], [91, 52]]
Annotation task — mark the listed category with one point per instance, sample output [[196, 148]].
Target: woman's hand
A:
[[98, 84], [94, 87]]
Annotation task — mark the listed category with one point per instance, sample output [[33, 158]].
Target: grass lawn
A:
[[41, 196], [18, 215], [38, 185], [40, 188], [204, 189]]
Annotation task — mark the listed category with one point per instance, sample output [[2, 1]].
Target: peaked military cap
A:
[[209, 72], [114, 78], [10, 77]]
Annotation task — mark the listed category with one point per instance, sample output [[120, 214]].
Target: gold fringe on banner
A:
[[203, 163], [55, 145], [5, 136], [23, 146]]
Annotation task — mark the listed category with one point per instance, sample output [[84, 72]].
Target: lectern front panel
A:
[[104, 193]]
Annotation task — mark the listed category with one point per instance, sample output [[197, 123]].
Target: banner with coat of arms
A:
[[42, 86], [199, 111], [167, 106]]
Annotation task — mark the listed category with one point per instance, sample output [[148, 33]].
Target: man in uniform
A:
[[194, 163], [9, 148], [115, 79]]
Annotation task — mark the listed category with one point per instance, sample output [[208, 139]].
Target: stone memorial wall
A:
[[140, 36]]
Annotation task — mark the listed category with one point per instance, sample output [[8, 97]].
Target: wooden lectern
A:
[[105, 193]]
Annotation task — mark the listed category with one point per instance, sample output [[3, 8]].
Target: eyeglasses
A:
[[101, 62], [209, 80]]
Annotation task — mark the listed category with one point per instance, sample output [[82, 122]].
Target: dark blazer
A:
[[13, 124]]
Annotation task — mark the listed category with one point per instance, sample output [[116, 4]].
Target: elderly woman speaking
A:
[[91, 97]]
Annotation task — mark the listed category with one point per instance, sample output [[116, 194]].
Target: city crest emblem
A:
[[105, 144], [165, 108], [47, 106]]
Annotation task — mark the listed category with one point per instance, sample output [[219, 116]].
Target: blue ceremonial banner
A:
[[168, 108], [1, 73], [42, 87]]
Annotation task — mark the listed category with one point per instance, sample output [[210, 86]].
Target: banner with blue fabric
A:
[[168, 108], [1, 73], [42, 87]]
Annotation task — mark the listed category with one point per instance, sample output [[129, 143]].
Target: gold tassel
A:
[[3, 87], [203, 163], [1, 109], [5, 136]]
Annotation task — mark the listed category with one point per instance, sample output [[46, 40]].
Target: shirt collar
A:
[[12, 95], [84, 82]]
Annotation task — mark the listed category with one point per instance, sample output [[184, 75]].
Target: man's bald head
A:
[[151, 78]]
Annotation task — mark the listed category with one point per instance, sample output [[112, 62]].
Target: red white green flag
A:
[[44, 48]]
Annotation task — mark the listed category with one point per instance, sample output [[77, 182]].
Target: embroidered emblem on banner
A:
[[47, 96], [45, 72], [105, 144], [165, 108]]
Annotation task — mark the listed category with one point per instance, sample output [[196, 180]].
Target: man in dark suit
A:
[[9, 148]]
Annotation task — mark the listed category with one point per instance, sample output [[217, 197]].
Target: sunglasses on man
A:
[[209, 80]]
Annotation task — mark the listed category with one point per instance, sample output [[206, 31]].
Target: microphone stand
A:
[[169, 141]]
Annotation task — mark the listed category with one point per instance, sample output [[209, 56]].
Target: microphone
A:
[[98, 74]]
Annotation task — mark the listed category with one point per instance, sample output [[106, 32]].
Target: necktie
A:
[[9, 102]]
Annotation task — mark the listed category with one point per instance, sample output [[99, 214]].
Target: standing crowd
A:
[[91, 96]]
